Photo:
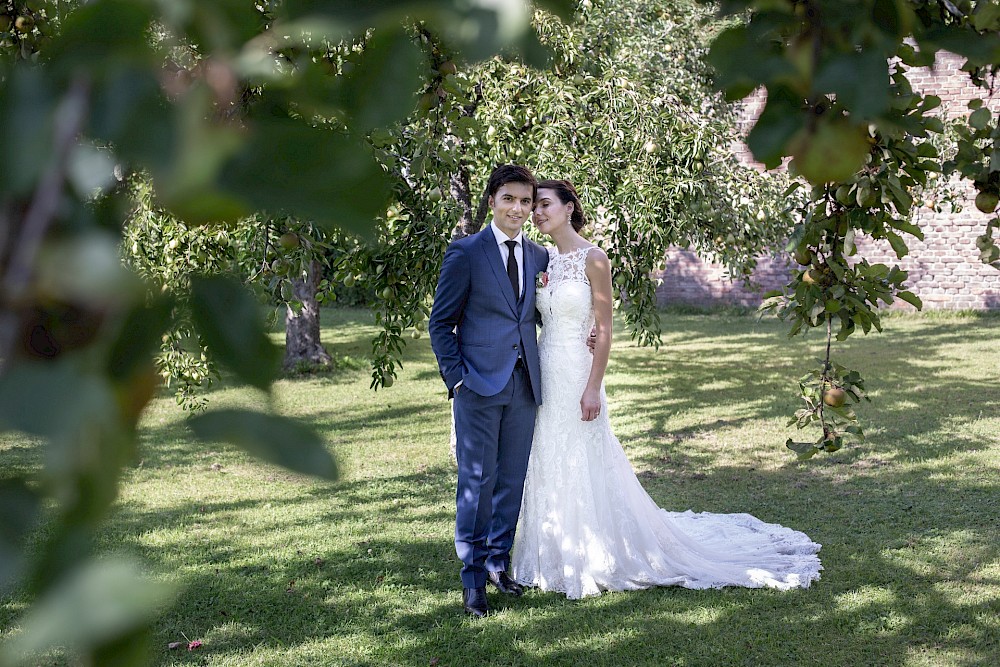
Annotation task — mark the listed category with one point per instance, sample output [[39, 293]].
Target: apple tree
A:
[[644, 137], [841, 108]]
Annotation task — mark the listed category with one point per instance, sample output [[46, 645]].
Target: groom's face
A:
[[511, 206]]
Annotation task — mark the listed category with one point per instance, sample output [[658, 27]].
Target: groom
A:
[[482, 330]]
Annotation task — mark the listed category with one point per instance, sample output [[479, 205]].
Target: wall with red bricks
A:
[[944, 268]]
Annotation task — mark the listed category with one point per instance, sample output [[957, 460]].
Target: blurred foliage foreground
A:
[[85, 100]]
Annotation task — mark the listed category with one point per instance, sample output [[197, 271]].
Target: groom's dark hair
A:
[[511, 173]]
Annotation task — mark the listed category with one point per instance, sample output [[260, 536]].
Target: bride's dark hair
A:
[[567, 193]]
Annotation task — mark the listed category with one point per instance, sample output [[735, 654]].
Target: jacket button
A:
[[513, 347]]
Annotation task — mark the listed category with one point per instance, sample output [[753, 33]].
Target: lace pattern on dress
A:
[[571, 266]]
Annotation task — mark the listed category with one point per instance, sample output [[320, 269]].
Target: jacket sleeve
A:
[[450, 299], [543, 261]]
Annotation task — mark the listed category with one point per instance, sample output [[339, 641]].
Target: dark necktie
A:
[[512, 271]]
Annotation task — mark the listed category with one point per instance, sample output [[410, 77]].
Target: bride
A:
[[586, 524]]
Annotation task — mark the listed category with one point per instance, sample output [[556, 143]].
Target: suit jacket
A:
[[477, 327]]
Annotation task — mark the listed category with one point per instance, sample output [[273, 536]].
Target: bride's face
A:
[[550, 213]]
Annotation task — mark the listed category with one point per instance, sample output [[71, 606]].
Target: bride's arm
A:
[[599, 275]]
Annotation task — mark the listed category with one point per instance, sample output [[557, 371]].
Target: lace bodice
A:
[[565, 302]]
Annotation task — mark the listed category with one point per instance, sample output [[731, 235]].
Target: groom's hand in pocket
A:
[[592, 339]]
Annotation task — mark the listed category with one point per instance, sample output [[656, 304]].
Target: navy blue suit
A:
[[478, 329]]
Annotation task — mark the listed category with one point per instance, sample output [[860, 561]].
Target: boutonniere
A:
[[541, 279]]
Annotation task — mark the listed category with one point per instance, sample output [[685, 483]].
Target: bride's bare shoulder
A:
[[596, 255]]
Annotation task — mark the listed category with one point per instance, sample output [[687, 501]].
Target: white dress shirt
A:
[[518, 253]]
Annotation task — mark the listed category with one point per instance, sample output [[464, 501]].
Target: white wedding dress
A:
[[586, 524]]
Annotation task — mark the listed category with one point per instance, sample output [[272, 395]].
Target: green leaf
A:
[[837, 268], [78, 44], [188, 187], [20, 510], [876, 270], [860, 80], [897, 243], [778, 123], [228, 318], [926, 149], [908, 227], [272, 438], [911, 298], [728, 7], [910, 56], [564, 9], [832, 305], [378, 91], [139, 337], [805, 450], [980, 49], [222, 25], [986, 16], [744, 57], [893, 17], [320, 174], [849, 242], [477, 28], [128, 110], [864, 318], [855, 430], [876, 321], [27, 105], [980, 118], [46, 399], [834, 152], [798, 233], [846, 328], [930, 102], [94, 605], [817, 309], [791, 188], [934, 124]]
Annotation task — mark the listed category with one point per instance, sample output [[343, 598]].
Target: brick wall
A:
[[945, 270]]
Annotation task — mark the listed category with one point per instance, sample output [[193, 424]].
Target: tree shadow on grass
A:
[[916, 391], [887, 592], [172, 442]]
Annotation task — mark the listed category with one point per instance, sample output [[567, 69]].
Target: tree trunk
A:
[[302, 345], [459, 186], [481, 212]]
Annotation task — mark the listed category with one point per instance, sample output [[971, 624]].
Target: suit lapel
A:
[[490, 248]]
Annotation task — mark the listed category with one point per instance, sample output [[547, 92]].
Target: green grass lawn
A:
[[279, 569]]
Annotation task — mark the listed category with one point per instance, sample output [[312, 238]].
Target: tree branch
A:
[[69, 119]]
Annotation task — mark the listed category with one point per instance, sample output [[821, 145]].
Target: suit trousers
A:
[[493, 440]]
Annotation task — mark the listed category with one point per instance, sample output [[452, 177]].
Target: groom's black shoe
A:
[[474, 602], [504, 583]]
